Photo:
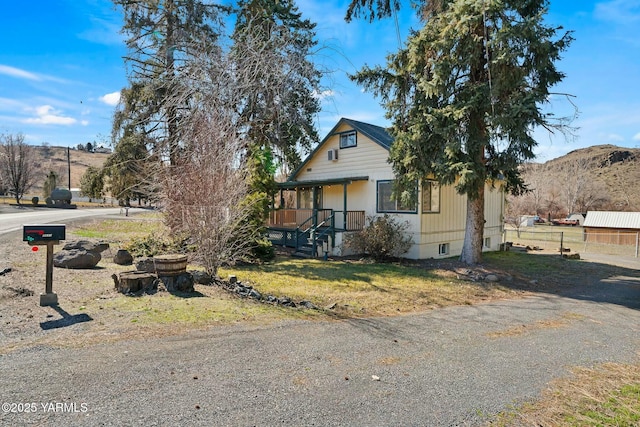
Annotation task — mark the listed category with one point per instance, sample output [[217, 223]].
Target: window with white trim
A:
[[443, 249], [348, 139]]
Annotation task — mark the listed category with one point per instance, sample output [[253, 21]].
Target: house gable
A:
[[330, 161]]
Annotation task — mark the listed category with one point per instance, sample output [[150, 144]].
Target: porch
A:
[[310, 226], [298, 218]]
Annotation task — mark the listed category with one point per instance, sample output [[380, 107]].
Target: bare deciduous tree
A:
[[18, 170], [203, 196]]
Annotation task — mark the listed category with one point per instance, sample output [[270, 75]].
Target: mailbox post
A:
[[45, 235]]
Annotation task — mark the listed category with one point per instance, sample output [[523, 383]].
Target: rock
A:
[[89, 246], [5, 271], [80, 254], [571, 256], [123, 257], [286, 302], [255, 294], [201, 277], [331, 306], [76, 258], [491, 278], [146, 265], [309, 305], [375, 378], [233, 279]]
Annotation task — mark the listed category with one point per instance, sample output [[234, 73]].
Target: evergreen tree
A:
[[277, 80], [465, 94], [162, 35]]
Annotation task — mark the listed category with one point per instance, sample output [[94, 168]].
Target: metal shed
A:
[[614, 228]]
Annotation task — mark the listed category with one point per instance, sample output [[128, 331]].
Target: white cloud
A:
[[18, 73], [613, 137], [618, 11], [111, 98], [46, 115], [84, 122], [636, 137]]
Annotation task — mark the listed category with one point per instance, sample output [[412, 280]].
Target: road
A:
[[448, 367], [12, 217]]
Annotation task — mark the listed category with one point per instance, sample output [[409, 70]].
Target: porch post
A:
[[344, 213], [282, 198], [314, 205]]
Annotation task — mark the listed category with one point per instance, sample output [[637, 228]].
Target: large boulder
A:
[[76, 258], [80, 254]]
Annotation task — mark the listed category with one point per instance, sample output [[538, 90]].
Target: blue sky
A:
[[61, 69]]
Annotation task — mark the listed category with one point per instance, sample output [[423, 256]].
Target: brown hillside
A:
[[55, 159], [618, 168]]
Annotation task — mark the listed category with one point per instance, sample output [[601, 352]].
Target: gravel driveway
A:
[[447, 367]]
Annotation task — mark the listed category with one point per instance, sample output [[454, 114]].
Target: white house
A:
[[348, 177]]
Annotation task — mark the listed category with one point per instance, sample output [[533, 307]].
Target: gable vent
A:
[[332, 155]]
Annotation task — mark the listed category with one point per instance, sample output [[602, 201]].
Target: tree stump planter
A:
[[135, 281]]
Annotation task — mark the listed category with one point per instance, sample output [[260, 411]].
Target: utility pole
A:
[[69, 165]]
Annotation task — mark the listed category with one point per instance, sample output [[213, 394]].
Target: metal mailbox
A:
[[43, 233]]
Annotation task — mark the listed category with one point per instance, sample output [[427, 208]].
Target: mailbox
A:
[[43, 233]]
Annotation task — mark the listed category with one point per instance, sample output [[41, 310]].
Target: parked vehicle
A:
[[565, 221]]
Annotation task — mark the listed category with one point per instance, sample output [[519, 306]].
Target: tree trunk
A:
[[474, 230]]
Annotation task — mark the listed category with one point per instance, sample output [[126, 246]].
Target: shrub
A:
[[383, 237], [154, 244], [263, 250]]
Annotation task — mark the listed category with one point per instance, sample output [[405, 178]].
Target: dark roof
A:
[[320, 182], [377, 134]]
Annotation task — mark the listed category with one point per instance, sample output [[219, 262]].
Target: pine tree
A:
[[465, 94]]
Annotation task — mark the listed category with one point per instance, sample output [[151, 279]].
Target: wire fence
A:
[[576, 239]]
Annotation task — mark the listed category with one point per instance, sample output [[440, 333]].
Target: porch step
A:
[[299, 254], [304, 251]]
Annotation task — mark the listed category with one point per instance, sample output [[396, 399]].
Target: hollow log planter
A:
[[135, 281]]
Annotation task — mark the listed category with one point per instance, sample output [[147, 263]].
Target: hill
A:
[[601, 177], [55, 159], [617, 168]]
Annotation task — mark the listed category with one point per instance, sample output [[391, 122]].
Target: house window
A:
[[443, 249], [430, 196], [386, 202], [487, 242], [348, 139]]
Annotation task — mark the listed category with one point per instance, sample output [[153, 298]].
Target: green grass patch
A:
[[363, 288], [198, 309], [121, 229]]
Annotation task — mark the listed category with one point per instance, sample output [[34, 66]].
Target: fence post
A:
[[561, 241], [637, 243]]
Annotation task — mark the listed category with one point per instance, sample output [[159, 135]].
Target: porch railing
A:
[[294, 218], [354, 220]]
